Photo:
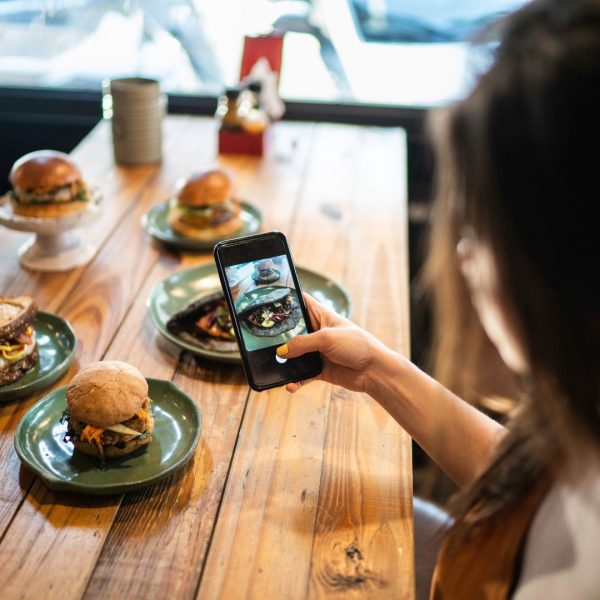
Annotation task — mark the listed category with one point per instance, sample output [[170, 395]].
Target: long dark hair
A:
[[518, 168]]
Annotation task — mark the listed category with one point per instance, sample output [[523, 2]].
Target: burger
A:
[[18, 347], [204, 207], [206, 322], [47, 183], [272, 314], [265, 272], [108, 410]]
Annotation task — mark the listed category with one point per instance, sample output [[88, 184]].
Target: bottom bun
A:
[[113, 451], [47, 210], [18, 369], [182, 228]]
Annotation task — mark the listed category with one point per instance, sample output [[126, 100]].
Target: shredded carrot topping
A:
[[144, 416], [93, 435]]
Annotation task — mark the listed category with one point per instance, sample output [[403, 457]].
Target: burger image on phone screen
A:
[[204, 206], [47, 183], [18, 346], [272, 314], [108, 409], [265, 272]]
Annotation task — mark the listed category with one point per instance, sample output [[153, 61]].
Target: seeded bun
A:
[[43, 169], [106, 393], [206, 188]]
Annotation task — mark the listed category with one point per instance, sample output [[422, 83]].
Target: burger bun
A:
[[50, 209], [180, 226], [206, 188], [43, 169], [106, 393]]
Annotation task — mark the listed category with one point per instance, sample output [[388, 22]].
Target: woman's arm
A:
[[457, 437]]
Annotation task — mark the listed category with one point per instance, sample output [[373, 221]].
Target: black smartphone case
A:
[[224, 284]]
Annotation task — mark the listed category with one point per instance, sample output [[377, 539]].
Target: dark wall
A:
[[32, 120]]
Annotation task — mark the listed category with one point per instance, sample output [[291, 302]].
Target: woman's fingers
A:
[[313, 310], [322, 315], [294, 387]]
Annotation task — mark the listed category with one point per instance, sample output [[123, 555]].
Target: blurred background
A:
[[377, 62]]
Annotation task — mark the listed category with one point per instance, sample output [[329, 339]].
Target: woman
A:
[[513, 257]]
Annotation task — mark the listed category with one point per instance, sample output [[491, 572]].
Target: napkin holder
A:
[[261, 60]]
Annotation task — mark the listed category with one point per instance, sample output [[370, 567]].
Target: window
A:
[[392, 52]]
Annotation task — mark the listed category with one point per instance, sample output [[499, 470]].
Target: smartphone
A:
[[263, 293]]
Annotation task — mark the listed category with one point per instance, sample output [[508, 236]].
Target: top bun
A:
[[265, 264], [44, 169], [16, 313], [106, 393], [209, 187]]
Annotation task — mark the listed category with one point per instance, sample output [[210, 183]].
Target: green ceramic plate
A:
[[56, 346], [176, 292], [156, 224], [40, 445]]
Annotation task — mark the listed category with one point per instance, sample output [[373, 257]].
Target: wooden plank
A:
[[176, 521], [364, 519], [358, 502], [363, 536], [263, 539]]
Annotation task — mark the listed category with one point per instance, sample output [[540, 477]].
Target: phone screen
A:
[[264, 296]]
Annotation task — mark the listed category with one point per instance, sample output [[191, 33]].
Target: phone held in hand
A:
[[264, 298]]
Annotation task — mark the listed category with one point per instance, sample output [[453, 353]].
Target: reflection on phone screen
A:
[[266, 302]]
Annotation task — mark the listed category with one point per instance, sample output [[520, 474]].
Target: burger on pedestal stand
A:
[[50, 199]]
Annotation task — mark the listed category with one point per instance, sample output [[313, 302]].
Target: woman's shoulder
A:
[[561, 551]]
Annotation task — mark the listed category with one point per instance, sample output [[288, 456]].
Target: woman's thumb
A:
[[301, 344]]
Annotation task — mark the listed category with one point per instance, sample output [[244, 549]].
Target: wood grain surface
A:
[[302, 496]]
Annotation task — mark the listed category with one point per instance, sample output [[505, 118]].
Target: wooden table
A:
[[287, 496]]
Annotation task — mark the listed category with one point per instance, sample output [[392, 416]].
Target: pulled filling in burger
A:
[[216, 322], [206, 322], [269, 315], [47, 183], [272, 314], [108, 410], [204, 206], [18, 346]]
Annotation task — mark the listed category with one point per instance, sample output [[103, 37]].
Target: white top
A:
[[562, 550]]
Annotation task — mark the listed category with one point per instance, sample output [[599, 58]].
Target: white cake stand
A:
[[58, 244]]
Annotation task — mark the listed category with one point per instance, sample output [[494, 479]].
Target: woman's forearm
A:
[[458, 438]]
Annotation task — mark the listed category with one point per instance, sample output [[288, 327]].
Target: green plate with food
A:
[[158, 224], [43, 445], [32, 362], [189, 309]]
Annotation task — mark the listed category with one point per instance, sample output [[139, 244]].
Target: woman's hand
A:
[[459, 438], [347, 350]]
